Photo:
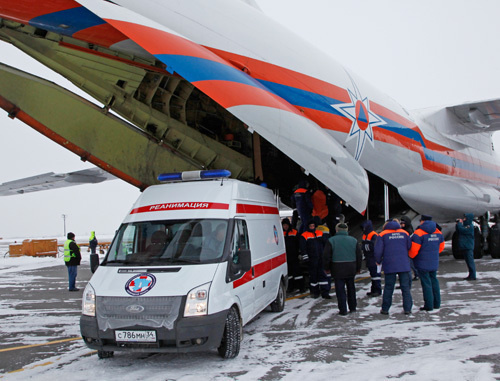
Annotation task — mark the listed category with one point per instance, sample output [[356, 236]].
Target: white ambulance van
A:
[[192, 263]]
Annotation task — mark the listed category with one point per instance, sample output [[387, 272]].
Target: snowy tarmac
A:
[[39, 335]]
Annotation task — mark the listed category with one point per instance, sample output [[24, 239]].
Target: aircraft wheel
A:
[[279, 303], [494, 241], [231, 339]]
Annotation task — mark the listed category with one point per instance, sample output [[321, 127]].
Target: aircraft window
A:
[[165, 242]]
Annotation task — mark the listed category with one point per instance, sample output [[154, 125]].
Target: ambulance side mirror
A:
[[94, 262], [245, 260]]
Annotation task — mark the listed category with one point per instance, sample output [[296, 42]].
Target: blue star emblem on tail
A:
[[363, 119]]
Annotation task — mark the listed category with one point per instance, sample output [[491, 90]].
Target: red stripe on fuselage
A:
[[227, 94], [160, 42], [103, 35], [268, 72], [231, 94], [260, 269], [23, 11]]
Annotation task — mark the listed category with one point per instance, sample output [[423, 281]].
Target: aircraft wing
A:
[[479, 116], [258, 107], [53, 180]]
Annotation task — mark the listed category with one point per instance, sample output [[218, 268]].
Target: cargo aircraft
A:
[[195, 84]]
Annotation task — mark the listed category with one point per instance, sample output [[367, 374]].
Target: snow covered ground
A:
[[461, 341]]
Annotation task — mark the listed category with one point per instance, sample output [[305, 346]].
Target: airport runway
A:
[[40, 322]]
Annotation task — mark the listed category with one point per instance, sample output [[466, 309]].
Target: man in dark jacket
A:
[[295, 276], [301, 199], [465, 231], [311, 249], [368, 247], [72, 258], [342, 257], [391, 251], [427, 243]]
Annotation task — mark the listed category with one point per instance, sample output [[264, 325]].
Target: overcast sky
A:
[[421, 53]]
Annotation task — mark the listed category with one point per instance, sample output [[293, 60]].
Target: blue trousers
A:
[[430, 289], [342, 299], [405, 283], [72, 273], [469, 260]]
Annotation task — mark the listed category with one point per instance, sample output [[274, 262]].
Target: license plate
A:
[[136, 336]]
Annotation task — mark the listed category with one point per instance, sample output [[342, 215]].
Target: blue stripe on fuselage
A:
[[313, 101], [67, 22], [196, 69]]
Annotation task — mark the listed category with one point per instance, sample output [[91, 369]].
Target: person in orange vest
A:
[[391, 251], [368, 248], [301, 200], [427, 244], [311, 248], [295, 276]]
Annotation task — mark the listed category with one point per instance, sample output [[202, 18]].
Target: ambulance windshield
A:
[[165, 242]]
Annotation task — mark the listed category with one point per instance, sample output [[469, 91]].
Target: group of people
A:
[[325, 256], [395, 251]]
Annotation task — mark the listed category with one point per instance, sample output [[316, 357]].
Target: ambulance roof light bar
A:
[[194, 175]]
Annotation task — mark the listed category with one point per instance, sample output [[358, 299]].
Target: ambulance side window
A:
[[240, 240]]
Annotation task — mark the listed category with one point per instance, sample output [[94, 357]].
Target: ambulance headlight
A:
[[88, 301], [197, 301]]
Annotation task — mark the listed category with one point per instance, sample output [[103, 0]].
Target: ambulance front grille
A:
[[122, 312]]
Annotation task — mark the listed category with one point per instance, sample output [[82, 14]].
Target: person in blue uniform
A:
[[427, 243], [465, 231], [391, 251]]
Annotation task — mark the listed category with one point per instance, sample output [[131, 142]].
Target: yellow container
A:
[[40, 247], [16, 250]]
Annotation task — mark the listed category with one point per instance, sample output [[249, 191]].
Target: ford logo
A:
[[134, 309]]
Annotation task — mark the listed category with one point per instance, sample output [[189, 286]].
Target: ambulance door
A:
[[243, 283]]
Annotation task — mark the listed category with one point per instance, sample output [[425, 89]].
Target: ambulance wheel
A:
[[230, 344], [279, 303], [105, 354]]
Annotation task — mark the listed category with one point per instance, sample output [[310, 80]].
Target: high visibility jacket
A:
[[368, 247], [72, 257], [312, 244]]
